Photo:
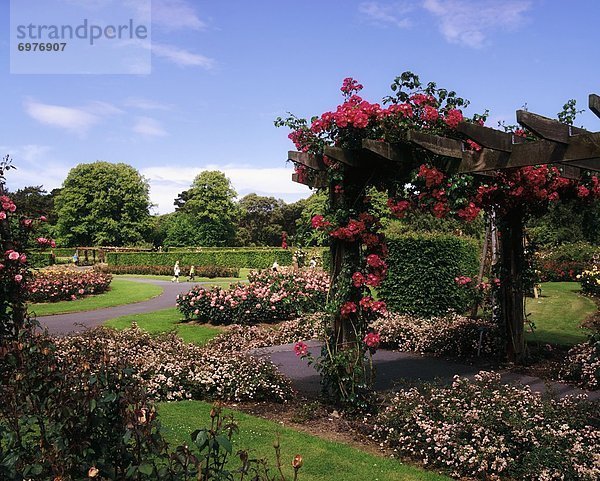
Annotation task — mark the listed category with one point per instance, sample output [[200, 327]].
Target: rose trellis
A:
[[419, 148]]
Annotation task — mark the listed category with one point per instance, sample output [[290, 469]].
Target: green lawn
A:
[[220, 281], [323, 460], [558, 314], [121, 292], [167, 320]]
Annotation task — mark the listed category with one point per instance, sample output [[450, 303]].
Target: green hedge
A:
[[421, 274], [39, 259], [250, 258]]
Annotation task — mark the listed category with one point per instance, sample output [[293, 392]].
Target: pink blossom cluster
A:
[[482, 428], [65, 284], [268, 297]]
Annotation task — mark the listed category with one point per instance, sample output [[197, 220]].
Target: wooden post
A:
[[511, 288]]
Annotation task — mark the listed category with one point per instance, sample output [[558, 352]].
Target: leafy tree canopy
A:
[[102, 203], [205, 213]]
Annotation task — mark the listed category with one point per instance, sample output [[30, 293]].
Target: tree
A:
[[260, 220], [103, 204], [205, 213]]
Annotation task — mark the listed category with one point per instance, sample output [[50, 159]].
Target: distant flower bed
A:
[[590, 281], [560, 271], [451, 335], [171, 369], [488, 430], [582, 365], [268, 297], [199, 271], [66, 284]]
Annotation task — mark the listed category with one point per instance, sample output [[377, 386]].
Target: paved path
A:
[[79, 321], [396, 369]]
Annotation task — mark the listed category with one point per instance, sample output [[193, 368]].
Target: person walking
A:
[[192, 274], [176, 272]]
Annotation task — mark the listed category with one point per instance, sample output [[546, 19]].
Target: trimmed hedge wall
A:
[[421, 274], [250, 258]]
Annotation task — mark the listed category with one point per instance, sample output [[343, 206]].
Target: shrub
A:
[[171, 369], [226, 257], [422, 272], [565, 262], [65, 284], [582, 365], [590, 281], [486, 429], [200, 271], [82, 414], [451, 335], [268, 297], [240, 338]]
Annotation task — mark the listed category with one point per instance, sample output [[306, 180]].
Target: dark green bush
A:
[[251, 258], [200, 271], [422, 272]]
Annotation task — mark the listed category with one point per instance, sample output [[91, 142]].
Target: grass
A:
[[558, 314], [323, 460], [220, 281], [121, 292], [166, 320]]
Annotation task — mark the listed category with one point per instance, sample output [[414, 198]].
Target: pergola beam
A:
[[438, 145], [345, 156], [546, 128], [488, 137], [594, 103], [319, 180], [308, 160]]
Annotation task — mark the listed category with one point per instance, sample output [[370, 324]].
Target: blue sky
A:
[[223, 70]]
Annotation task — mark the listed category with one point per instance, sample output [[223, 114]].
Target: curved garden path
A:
[[79, 321], [401, 369]]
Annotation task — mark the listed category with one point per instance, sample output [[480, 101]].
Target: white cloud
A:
[[149, 127], [35, 165], [175, 15], [167, 182], [387, 14], [182, 57], [146, 104], [467, 22], [73, 119]]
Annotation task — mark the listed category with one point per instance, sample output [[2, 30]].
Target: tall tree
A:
[[205, 213], [103, 204], [260, 221]]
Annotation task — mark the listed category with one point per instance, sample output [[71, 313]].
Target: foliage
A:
[[171, 369], [200, 271], [582, 365], [225, 257], [451, 335], [37, 202], [417, 222], [83, 414], [423, 268], [590, 281], [102, 204], [268, 297], [62, 415], [565, 262], [566, 222], [240, 338], [55, 284], [263, 219], [206, 213], [484, 428]]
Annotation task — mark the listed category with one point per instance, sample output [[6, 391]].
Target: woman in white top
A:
[[176, 272]]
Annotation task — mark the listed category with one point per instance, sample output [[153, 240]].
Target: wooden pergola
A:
[[572, 149]]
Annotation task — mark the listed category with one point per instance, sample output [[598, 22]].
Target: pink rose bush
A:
[[582, 365], [451, 335], [171, 369], [485, 429], [268, 297], [65, 284]]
